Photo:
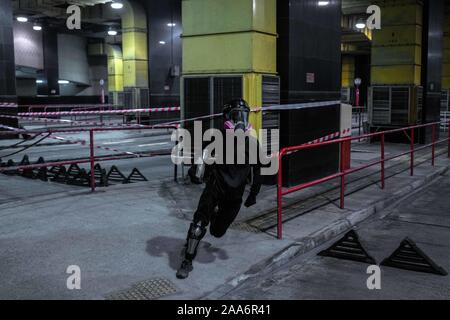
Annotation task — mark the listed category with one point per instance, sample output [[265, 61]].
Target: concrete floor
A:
[[424, 217], [125, 234]]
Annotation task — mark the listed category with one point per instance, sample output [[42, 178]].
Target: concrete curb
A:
[[321, 236]]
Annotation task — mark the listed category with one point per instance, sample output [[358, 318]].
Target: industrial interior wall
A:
[[348, 71], [397, 46], [115, 68], [231, 37], [164, 51], [72, 59], [28, 50], [7, 67], [134, 44], [446, 55]]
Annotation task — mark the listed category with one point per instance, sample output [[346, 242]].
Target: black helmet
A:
[[235, 115]]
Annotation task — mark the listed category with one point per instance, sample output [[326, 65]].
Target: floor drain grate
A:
[[146, 290], [243, 226]]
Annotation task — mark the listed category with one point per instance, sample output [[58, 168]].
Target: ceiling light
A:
[[162, 42], [39, 81], [112, 32], [171, 24], [63, 81], [360, 25], [37, 27], [22, 19], [323, 3], [117, 5]]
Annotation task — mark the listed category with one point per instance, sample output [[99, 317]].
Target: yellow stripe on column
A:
[[252, 89], [134, 44]]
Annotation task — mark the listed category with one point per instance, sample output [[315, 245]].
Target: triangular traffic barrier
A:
[[115, 175], [100, 176], [409, 257], [348, 248], [10, 163], [27, 173], [58, 174], [40, 173], [74, 170], [78, 179], [135, 176]]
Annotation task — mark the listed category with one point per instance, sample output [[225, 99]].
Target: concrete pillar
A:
[[446, 50], [50, 86], [433, 33], [115, 73], [348, 71], [8, 98], [229, 38], [135, 55], [397, 46]]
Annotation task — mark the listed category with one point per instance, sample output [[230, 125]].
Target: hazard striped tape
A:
[[8, 105], [75, 113], [325, 138]]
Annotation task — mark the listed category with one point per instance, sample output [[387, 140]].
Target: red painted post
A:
[[433, 144], [342, 204], [382, 161], [412, 153], [279, 197], [91, 145]]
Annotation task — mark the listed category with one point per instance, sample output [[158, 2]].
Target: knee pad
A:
[[196, 233], [217, 232]]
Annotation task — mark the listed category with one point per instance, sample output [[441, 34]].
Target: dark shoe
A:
[[185, 268]]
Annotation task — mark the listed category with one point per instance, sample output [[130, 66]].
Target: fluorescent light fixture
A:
[[117, 5], [323, 3], [22, 19], [112, 32], [37, 27], [162, 42], [39, 81], [360, 25], [63, 81], [171, 24]]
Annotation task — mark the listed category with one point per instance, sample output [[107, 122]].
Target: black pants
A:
[[227, 199]]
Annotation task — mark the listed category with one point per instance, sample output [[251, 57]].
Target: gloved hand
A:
[[251, 200], [193, 177]]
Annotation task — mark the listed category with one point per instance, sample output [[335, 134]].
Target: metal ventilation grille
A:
[[419, 103], [445, 101], [345, 95], [270, 96], [381, 108], [399, 105], [136, 98], [225, 90]]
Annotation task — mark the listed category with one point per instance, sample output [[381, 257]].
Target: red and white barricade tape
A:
[[105, 112], [8, 105]]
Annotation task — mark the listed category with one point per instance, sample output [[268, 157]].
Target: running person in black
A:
[[221, 199]]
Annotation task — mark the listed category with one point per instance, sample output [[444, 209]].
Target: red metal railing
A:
[[92, 158], [344, 172]]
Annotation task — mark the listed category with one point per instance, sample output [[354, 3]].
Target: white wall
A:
[[28, 46], [72, 59]]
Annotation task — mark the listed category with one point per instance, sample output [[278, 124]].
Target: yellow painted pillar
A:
[[348, 71], [397, 46], [115, 68], [115, 71], [135, 48], [446, 55], [231, 37]]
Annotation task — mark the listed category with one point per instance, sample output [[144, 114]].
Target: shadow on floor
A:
[[172, 248]]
